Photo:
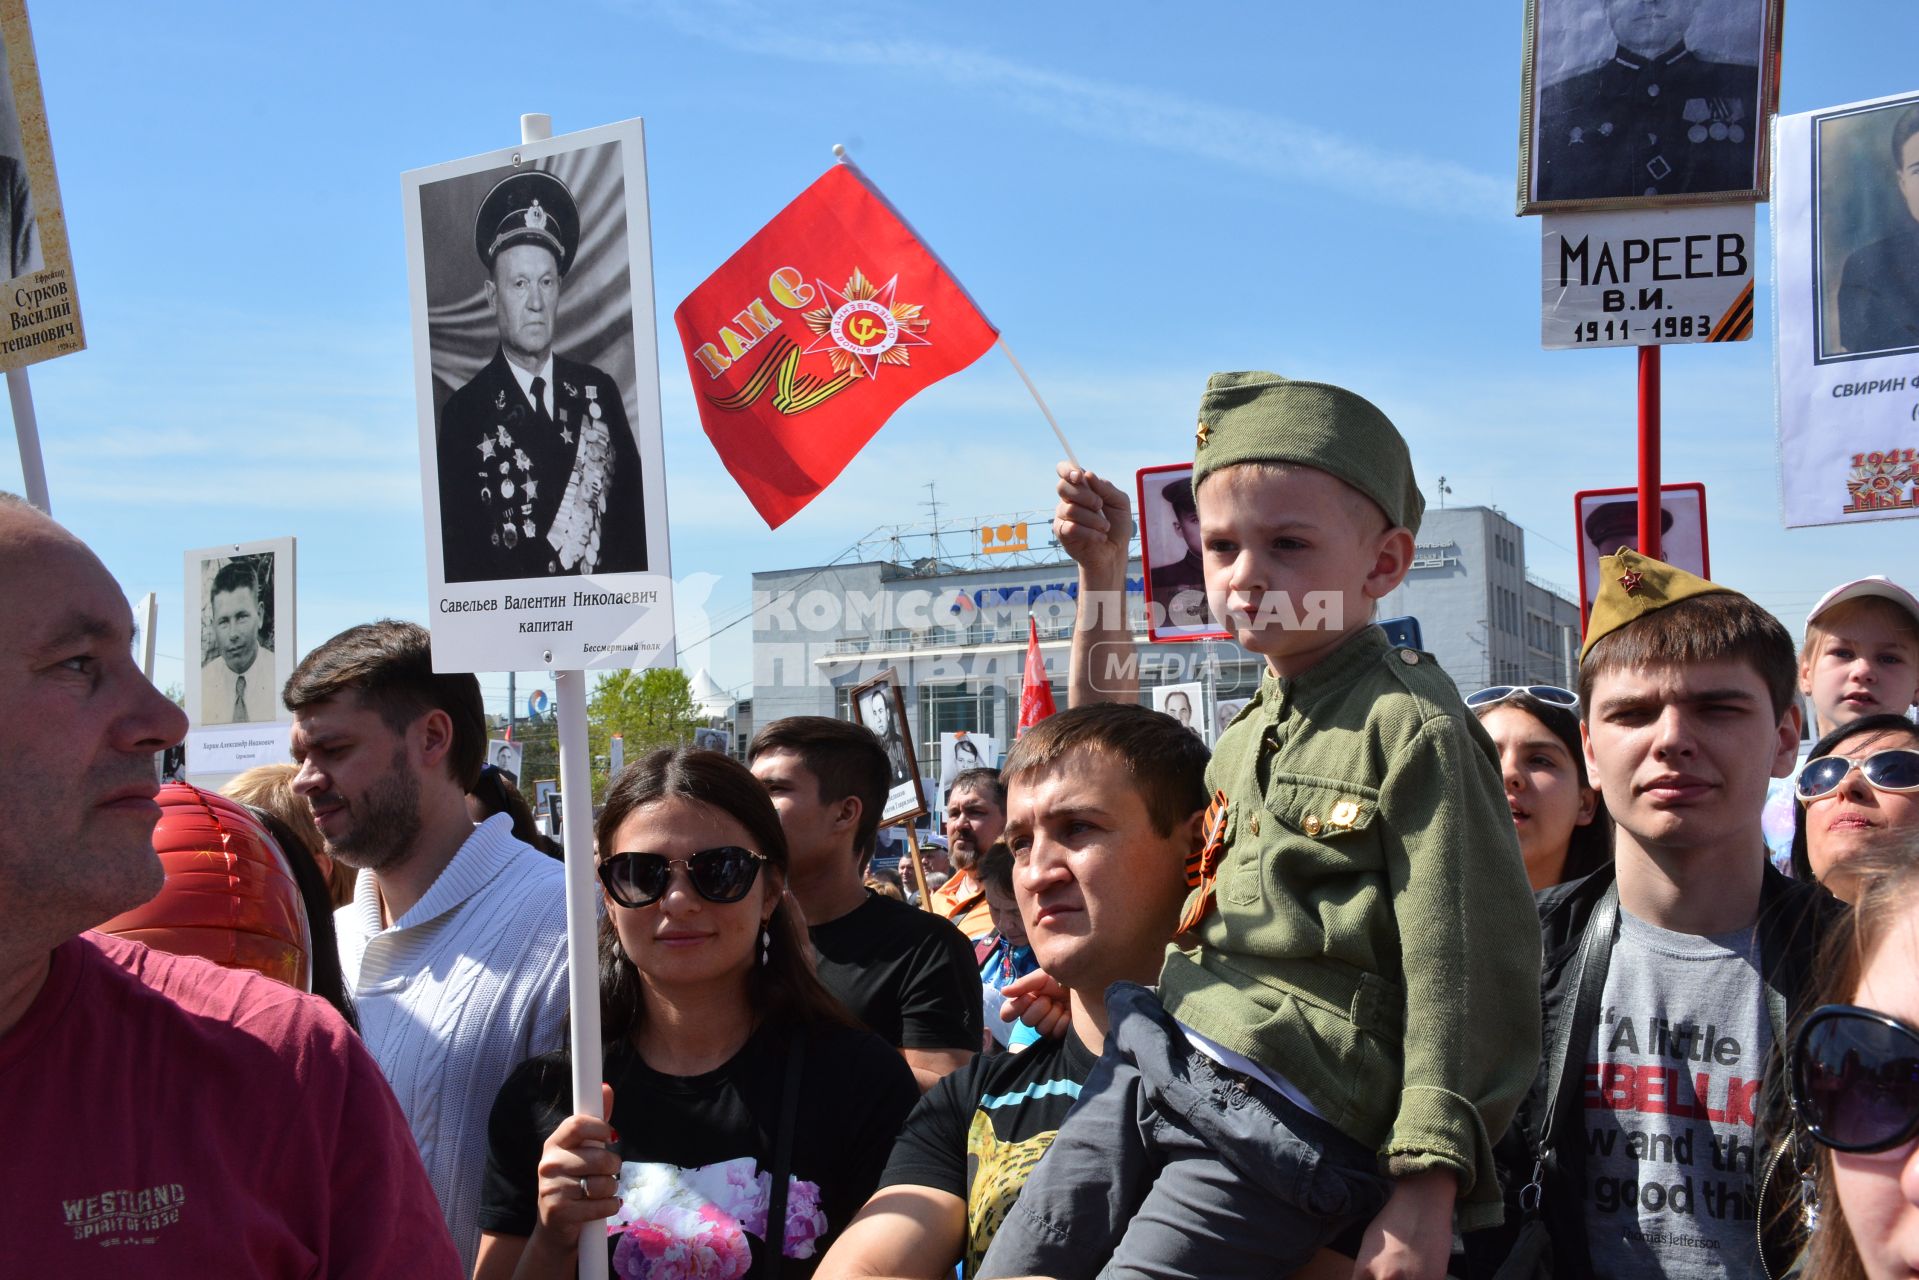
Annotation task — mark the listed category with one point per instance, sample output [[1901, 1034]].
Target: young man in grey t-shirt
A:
[[1668, 1104]]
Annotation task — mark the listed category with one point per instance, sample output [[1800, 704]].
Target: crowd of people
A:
[[1615, 980]]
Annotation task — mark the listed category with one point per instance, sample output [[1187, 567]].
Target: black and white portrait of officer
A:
[[19, 227], [1646, 97], [539, 475]]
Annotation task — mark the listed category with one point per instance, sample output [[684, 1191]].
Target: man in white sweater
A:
[[454, 946]]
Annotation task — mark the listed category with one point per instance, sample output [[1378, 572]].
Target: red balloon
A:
[[229, 896]]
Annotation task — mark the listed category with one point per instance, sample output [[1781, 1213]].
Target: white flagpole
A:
[[839, 155], [26, 428], [582, 914]]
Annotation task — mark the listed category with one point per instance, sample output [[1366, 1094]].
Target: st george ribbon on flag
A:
[[807, 339]]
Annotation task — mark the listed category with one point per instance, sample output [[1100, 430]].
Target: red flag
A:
[[1035, 691], [804, 343]]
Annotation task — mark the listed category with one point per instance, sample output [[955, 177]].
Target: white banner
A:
[[539, 407], [1646, 277], [1846, 262]]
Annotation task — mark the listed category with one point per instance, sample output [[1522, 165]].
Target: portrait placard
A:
[[240, 647], [713, 740], [1646, 277], [1169, 550], [506, 757], [1608, 519], [43, 310], [960, 751], [880, 705], [1626, 105], [1186, 703], [539, 411], [1846, 264], [1224, 709]]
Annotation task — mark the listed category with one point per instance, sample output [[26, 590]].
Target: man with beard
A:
[[454, 946], [975, 816]]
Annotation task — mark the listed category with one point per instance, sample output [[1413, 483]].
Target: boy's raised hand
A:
[[1093, 521]]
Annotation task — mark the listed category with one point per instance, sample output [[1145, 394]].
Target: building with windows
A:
[[955, 630]]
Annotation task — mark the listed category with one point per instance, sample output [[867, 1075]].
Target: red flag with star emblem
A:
[[803, 344]]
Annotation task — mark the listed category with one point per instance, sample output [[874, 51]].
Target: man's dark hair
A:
[[844, 757], [1719, 626], [1864, 727], [1167, 760], [1902, 131], [983, 780], [389, 665], [235, 574], [995, 868]]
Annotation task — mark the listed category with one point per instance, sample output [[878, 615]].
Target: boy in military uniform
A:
[[539, 474], [1654, 119], [1350, 1020]]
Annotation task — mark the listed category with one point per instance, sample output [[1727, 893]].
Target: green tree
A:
[[650, 709]]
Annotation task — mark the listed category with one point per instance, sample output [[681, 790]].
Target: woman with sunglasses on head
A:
[[739, 1092], [1564, 832], [1855, 1082], [1859, 786]]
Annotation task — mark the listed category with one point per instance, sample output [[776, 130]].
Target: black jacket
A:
[[1793, 918]]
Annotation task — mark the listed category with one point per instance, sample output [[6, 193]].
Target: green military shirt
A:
[[1374, 940]]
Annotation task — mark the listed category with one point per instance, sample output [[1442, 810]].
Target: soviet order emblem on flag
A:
[[804, 343]]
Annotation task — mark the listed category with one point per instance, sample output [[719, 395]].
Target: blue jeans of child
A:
[[1171, 1165]]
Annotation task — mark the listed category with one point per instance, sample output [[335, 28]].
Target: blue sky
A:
[[1138, 194]]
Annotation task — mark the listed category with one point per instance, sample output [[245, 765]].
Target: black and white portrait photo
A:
[[712, 740], [880, 705], [537, 390], [1184, 703], [20, 252], [506, 757], [960, 751], [528, 291], [1170, 549], [1866, 183], [241, 625], [1609, 520], [1638, 100]]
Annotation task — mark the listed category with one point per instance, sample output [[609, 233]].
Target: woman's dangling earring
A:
[[766, 945]]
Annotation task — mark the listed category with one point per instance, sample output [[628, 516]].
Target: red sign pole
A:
[[1648, 544]]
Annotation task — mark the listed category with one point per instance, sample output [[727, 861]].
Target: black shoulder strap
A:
[[1588, 984], [783, 1158]]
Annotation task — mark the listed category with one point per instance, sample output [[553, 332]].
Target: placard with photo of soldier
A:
[[43, 313], [1171, 554], [1609, 520], [880, 705], [239, 641], [1646, 102], [1846, 266], [1185, 703], [539, 406]]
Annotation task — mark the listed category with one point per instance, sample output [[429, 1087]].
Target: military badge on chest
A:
[[508, 483]]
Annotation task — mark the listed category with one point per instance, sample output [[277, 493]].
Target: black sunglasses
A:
[[1895, 770], [1855, 1078], [718, 875], [1551, 694]]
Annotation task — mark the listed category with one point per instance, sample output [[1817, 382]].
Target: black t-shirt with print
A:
[[678, 1133], [978, 1132], [907, 974]]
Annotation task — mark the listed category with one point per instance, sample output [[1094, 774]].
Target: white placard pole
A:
[[582, 902], [149, 613], [26, 429]]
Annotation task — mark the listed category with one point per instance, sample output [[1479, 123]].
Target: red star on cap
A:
[[1631, 579]]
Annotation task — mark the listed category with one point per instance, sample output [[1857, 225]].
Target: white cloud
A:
[[1265, 144]]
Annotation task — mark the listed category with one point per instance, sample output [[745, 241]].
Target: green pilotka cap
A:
[[1632, 586], [1262, 417]]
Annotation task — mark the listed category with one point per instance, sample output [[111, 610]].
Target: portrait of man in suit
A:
[[239, 684], [539, 475]]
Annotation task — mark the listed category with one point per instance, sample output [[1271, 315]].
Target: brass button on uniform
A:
[[1255, 824], [1311, 824], [1409, 656]]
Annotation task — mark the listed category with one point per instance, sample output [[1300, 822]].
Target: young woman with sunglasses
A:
[[1858, 788], [1855, 1082], [1564, 831], [734, 1080]]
